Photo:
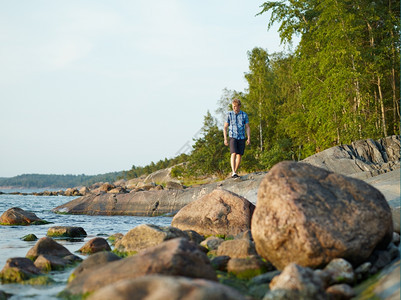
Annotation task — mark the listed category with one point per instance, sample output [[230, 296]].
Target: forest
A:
[[56, 181], [340, 84]]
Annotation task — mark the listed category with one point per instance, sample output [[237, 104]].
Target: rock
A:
[[166, 287], [362, 159], [177, 257], [21, 270], [264, 278], [241, 248], [160, 176], [94, 245], [157, 202], [310, 216], [384, 285], [143, 203], [47, 246], [117, 190], [29, 238], [18, 216], [195, 237], [47, 263], [84, 191], [340, 271], [363, 271], [71, 192], [212, 242], [220, 262], [114, 238], [94, 261], [66, 231], [247, 268], [4, 295], [388, 286], [219, 213], [145, 236], [379, 259], [173, 185], [105, 187], [340, 292], [298, 283]]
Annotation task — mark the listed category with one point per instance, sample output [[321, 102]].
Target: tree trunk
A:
[[383, 116]]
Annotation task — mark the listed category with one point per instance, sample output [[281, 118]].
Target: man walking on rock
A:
[[237, 122]]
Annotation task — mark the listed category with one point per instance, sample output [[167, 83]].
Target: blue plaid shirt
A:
[[236, 124]]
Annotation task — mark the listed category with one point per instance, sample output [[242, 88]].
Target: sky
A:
[[91, 87]]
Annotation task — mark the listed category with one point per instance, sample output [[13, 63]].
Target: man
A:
[[237, 123]]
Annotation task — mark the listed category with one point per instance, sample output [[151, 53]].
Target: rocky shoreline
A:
[[299, 231]]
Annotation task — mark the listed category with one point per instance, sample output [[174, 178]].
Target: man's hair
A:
[[237, 101]]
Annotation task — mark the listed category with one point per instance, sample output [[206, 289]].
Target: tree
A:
[[209, 155]]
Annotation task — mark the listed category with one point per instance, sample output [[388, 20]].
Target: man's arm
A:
[[225, 133], [248, 133]]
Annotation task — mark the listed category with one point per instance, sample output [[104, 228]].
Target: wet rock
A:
[[145, 236], [247, 268], [296, 282], [240, 248], [212, 242], [309, 216], [166, 287], [94, 261], [220, 262], [21, 270], [177, 257], [114, 238], [18, 216], [47, 246], [194, 236], [94, 245], [219, 213], [340, 292], [47, 263], [29, 237], [66, 231]]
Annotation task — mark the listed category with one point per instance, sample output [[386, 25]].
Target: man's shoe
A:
[[235, 175]]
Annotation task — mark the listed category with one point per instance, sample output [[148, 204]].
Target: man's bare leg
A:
[[235, 161]]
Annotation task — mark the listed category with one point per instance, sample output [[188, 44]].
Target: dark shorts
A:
[[237, 146]]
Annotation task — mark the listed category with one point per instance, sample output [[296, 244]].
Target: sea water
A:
[[11, 244]]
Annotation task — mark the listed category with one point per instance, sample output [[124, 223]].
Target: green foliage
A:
[[137, 171], [209, 155]]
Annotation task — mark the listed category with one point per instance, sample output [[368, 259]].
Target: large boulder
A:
[[145, 236], [219, 213], [309, 216], [177, 257], [49, 247], [166, 287], [18, 216]]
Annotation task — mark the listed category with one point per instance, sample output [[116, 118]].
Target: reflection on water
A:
[[11, 244]]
